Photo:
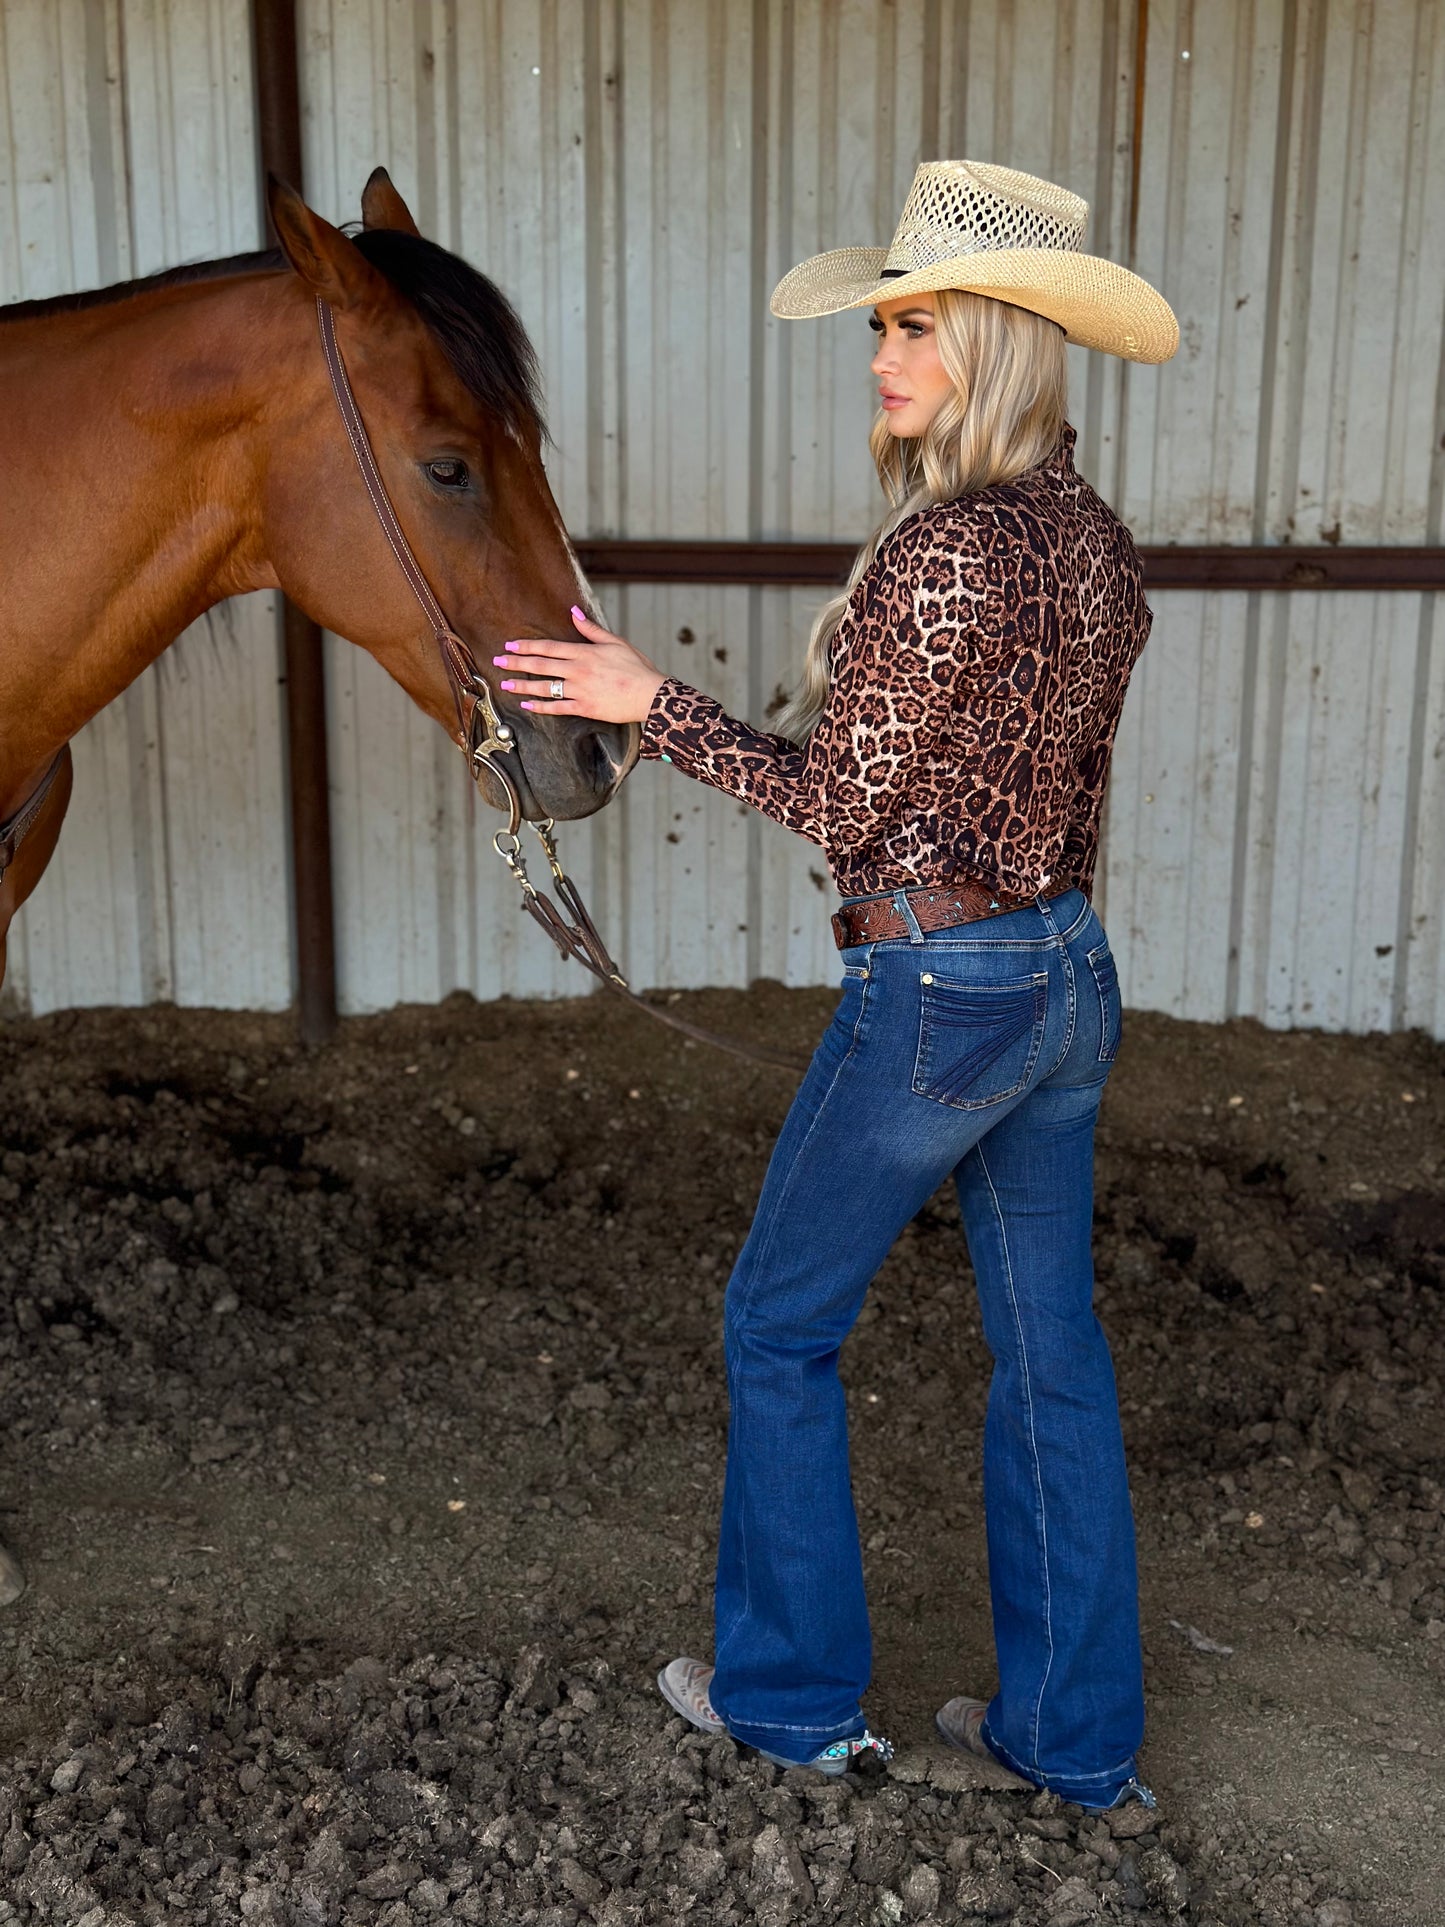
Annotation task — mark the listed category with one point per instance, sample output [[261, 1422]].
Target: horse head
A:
[[446, 383]]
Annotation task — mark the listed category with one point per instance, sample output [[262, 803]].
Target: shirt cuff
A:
[[672, 701]]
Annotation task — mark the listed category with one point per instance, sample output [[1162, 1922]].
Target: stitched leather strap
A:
[[480, 731], [12, 833], [879, 920]]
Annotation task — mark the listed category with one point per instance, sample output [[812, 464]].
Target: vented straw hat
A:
[[994, 231]]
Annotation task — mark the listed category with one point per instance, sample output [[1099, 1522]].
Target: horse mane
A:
[[474, 324], [234, 265]]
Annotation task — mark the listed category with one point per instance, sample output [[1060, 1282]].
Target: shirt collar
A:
[[1062, 459]]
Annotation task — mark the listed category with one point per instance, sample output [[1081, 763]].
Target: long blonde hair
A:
[[1006, 414]]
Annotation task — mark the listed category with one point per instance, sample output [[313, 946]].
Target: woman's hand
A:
[[603, 678]]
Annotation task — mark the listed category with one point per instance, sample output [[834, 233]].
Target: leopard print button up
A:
[[978, 676]]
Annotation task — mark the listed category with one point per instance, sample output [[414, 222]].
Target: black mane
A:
[[475, 325], [228, 269]]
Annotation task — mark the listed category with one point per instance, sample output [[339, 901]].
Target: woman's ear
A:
[[324, 258]]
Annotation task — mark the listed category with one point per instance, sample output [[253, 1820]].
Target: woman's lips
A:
[[893, 401]]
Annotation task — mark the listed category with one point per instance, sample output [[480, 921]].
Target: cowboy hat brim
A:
[[1097, 303]]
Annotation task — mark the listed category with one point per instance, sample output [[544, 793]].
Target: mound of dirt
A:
[[458, 1790], [364, 1437]]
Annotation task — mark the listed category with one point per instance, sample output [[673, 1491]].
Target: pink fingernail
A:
[[527, 705], [505, 683], [580, 615], [501, 662]]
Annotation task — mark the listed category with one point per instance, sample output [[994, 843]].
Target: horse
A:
[[176, 440]]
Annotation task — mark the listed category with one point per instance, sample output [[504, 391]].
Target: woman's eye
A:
[[450, 473]]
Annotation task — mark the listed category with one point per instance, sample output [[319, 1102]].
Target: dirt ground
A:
[[364, 1432]]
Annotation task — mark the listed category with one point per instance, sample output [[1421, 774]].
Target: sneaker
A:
[[684, 1684], [959, 1723]]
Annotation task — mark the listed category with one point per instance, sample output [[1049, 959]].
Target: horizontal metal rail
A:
[[825, 564]]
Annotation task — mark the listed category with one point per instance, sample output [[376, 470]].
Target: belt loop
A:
[[1041, 904], [905, 910]]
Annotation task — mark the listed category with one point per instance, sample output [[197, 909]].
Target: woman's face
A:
[[912, 381]]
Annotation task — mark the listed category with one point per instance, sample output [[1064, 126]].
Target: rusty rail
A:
[[824, 564]]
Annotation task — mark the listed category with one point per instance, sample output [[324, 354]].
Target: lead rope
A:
[[484, 739], [581, 940]]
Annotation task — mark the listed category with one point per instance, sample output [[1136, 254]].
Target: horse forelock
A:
[[472, 321]]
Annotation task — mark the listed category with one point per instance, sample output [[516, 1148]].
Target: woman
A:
[[949, 749]]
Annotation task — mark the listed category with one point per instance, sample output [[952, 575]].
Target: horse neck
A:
[[129, 499]]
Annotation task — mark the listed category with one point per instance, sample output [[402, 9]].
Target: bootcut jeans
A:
[[978, 1052]]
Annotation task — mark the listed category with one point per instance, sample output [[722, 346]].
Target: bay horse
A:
[[176, 440]]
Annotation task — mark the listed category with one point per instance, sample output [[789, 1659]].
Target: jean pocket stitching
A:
[[1105, 972], [1003, 1013]]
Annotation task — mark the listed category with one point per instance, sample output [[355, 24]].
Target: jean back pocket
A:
[[1111, 1011], [978, 1042]]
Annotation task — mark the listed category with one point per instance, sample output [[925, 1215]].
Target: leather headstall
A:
[[485, 740], [481, 733]]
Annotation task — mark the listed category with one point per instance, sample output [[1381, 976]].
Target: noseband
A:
[[485, 740]]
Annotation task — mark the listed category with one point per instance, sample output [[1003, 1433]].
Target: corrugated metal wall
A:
[[1276, 820], [636, 174]]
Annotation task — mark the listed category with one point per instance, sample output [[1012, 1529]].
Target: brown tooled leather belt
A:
[[936, 909]]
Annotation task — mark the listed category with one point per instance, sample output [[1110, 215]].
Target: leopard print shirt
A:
[[978, 675]]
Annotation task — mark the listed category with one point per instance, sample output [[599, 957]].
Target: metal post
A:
[[278, 120]]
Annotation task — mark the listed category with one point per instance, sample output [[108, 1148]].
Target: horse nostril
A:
[[607, 765]]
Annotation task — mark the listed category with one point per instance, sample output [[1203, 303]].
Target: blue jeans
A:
[[978, 1052]]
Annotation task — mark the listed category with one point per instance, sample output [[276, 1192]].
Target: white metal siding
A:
[[636, 175], [1275, 829]]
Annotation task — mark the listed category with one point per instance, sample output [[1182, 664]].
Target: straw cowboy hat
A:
[[994, 231]]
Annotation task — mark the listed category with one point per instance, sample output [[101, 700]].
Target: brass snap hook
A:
[[508, 846], [544, 829]]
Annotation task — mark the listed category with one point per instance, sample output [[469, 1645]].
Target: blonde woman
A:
[[949, 749]]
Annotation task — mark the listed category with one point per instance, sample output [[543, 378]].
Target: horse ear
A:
[[322, 255], [382, 206]]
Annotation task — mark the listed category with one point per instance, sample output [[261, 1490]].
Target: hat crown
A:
[[974, 207]]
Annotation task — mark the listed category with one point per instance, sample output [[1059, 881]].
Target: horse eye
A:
[[449, 474]]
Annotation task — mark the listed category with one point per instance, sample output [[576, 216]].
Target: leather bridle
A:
[[485, 740], [481, 734], [13, 829]]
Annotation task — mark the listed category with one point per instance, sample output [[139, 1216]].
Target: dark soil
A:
[[364, 1433]]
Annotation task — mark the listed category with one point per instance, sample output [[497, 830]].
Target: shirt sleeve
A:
[[697, 735], [930, 625]]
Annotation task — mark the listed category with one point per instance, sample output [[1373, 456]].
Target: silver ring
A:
[[554, 689]]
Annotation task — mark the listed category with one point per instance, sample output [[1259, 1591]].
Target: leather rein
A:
[[485, 740]]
